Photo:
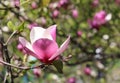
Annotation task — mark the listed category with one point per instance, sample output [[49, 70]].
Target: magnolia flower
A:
[[30, 26], [75, 13], [79, 33], [55, 13], [42, 20], [37, 72], [95, 3], [43, 44], [21, 48], [17, 3], [87, 70], [71, 80], [63, 3], [34, 5], [99, 19]]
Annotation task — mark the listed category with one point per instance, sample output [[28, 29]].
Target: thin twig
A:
[[10, 37], [5, 78], [23, 68]]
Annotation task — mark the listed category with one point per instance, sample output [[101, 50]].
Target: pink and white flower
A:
[[99, 19], [43, 44]]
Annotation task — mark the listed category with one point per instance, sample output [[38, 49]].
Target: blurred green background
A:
[[97, 50]]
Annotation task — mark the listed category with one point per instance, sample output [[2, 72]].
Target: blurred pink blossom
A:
[[17, 3], [99, 19], [43, 20], [21, 48], [43, 44], [34, 5], [30, 26], [87, 70], [55, 13], [117, 2], [75, 13], [95, 3], [71, 80], [37, 72], [63, 3], [79, 33], [54, 5]]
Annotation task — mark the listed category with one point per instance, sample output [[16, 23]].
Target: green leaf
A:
[[11, 25], [58, 64], [20, 28]]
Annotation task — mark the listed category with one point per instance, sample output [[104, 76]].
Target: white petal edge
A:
[[25, 43], [61, 49], [108, 17], [37, 33]]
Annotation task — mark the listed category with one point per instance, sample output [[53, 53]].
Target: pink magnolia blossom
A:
[[21, 48], [63, 3], [87, 70], [43, 44], [17, 3], [55, 13], [37, 72], [42, 20], [75, 13], [30, 26], [71, 80], [34, 5], [99, 19], [79, 33], [95, 3]]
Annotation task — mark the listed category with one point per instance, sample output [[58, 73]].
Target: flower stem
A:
[[10, 37], [23, 68]]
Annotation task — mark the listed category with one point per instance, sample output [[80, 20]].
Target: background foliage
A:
[[83, 48]]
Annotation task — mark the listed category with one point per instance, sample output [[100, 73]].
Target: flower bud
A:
[[17, 3], [55, 13], [79, 33], [87, 71], [63, 3], [95, 3], [34, 5], [71, 80], [30, 26], [20, 47], [43, 21], [37, 72], [75, 13]]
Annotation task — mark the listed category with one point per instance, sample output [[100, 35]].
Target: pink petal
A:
[[27, 46], [45, 48], [61, 49], [52, 30], [39, 32]]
